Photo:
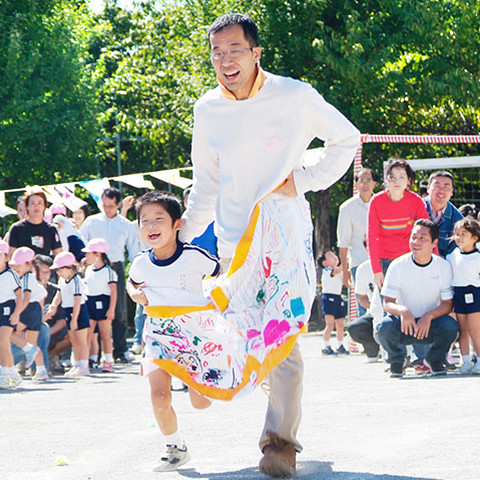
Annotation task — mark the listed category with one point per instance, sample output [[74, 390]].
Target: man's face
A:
[[421, 244], [440, 191], [44, 273], [365, 183], [237, 74], [36, 207], [110, 207]]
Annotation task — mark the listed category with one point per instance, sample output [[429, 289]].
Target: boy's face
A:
[[331, 260], [156, 227]]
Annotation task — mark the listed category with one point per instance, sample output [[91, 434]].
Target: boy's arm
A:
[[15, 316], [136, 292], [76, 311]]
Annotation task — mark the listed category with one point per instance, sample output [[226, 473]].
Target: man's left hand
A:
[[288, 188], [423, 327]]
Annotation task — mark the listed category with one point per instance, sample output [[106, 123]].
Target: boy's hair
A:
[[356, 175], [105, 259], [34, 191], [468, 210], [423, 187], [250, 30], [113, 194], [396, 162], [170, 202], [323, 256], [440, 173], [470, 225], [42, 260], [432, 227]]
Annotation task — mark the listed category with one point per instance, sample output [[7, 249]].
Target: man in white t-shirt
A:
[[418, 297], [361, 329]]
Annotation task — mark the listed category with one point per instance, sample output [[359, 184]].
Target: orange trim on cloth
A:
[[165, 311], [253, 365], [257, 85]]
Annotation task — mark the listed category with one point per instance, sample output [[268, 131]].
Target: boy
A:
[[167, 263], [332, 304]]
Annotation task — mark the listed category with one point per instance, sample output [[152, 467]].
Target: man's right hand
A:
[[409, 325], [347, 277], [378, 278]]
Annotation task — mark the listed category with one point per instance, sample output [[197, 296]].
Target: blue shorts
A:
[[333, 305], [6, 309], [98, 306], [466, 299], [83, 318], [32, 316]]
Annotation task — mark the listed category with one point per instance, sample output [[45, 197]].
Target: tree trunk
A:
[[321, 210]]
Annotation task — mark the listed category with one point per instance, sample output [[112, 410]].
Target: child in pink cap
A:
[[31, 310], [101, 291], [10, 304], [71, 295]]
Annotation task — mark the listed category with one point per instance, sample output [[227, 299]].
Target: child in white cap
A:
[[101, 291], [31, 310], [10, 306], [71, 295]]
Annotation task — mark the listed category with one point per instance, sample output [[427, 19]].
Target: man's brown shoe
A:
[[278, 458]]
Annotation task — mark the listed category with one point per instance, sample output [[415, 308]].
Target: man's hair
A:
[[396, 162], [249, 27], [170, 202], [468, 210], [35, 191], [323, 256], [364, 169], [440, 173], [432, 227], [113, 194], [470, 225], [42, 260]]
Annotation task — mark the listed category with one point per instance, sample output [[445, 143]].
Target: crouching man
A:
[[418, 298]]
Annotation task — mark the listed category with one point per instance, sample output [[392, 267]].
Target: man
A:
[[441, 211], [120, 235], [361, 329], [59, 339], [352, 228], [249, 136], [418, 297], [33, 231]]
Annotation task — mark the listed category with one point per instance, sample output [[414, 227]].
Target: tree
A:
[[47, 121]]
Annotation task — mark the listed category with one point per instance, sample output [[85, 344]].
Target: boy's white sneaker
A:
[[476, 369], [40, 376], [15, 380], [466, 369], [4, 382], [174, 457]]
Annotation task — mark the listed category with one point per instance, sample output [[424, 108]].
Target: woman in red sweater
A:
[[391, 215]]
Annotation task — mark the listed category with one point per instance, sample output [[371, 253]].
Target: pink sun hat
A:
[[3, 246], [63, 259], [22, 255], [96, 245]]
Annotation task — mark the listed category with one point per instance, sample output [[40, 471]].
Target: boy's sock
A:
[[467, 359], [11, 371], [83, 363], [339, 343], [94, 358], [326, 343], [5, 370], [108, 357], [41, 369], [27, 347], [174, 439]]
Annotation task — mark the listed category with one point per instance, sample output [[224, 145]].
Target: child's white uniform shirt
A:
[[97, 281], [184, 270], [331, 284], [466, 268], [75, 287], [9, 284], [30, 284]]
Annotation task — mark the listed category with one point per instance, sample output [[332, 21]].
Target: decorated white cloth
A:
[[226, 344]]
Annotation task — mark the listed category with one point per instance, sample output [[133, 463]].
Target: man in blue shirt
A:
[[441, 211]]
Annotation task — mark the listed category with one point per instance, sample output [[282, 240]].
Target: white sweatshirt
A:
[[244, 149]]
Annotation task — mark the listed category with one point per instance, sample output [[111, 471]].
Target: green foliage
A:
[[47, 122]]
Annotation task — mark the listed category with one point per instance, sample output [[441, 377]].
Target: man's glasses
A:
[[231, 52]]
